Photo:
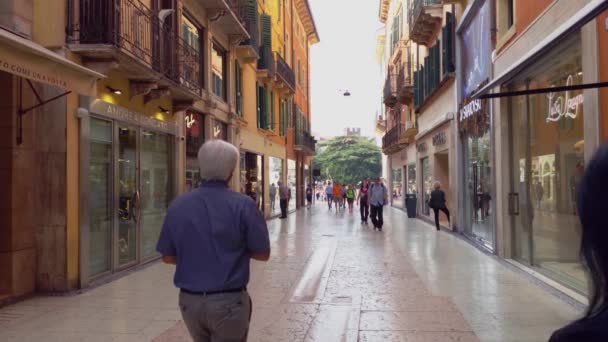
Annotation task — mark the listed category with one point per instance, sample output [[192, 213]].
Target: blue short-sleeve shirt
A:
[[213, 231]]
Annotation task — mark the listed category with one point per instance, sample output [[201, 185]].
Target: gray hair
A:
[[217, 160]]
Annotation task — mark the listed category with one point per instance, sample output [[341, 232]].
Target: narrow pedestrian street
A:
[[329, 279]]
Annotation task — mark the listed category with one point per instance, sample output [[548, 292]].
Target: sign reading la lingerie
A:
[[565, 106]]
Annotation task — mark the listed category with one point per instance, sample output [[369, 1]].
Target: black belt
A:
[[207, 293]]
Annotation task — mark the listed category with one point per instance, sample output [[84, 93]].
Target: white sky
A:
[[345, 59]]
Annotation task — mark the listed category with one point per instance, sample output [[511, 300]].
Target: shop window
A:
[[220, 130], [218, 71]]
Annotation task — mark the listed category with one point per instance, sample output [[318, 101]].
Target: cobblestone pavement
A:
[[329, 279]]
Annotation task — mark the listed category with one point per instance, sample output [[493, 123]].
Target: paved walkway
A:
[[329, 279]]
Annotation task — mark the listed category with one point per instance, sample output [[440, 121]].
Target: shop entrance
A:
[[130, 190], [547, 163]]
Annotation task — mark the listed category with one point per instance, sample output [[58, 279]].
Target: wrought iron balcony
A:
[[285, 74], [399, 136], [425, 19], [249, 48], [132, 36], [266, 64], [304, 142], [390, 90], [405, 86]]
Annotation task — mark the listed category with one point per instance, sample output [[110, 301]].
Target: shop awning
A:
[[22, 57], [583, 16]]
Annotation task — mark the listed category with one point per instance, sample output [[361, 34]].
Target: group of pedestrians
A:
[[371, 198], [215, 223]]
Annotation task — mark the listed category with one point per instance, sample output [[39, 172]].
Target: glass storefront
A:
[[276, 174], [195, 138], [220, 130], [427, 185], [291, 182], [478, 209], [130, 188], [252, 177], [547, 139], [100, 205], [397, 188], [411, 179]]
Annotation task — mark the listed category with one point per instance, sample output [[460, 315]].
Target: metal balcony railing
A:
[[285, 72], [390, 90], [391, 138], [136, 30], [304, 139], [247, 11], [266, 61], [416, 17]]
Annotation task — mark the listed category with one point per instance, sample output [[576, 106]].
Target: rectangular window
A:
[[218, 70], [190, 35], [510, 13]]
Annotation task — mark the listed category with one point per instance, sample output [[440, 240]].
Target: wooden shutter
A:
[[266, 22], [447, 45], [272, 112], [258, 105]]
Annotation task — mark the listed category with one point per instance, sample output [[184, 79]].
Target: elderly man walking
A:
[[284, 197], [211, 234]]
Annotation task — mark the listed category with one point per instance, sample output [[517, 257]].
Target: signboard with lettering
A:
[[564, 105], [422, 148], [439, 139], [126, 115], [473, 116]]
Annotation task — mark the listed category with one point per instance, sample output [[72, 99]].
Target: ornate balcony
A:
[[398, 137], [128, 36], [249, 49], [266, 65], [305, 143], [390, 90], [405, 85], [285, 76], [425, 20]]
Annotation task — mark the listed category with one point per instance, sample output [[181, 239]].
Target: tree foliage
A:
[[348, 159]]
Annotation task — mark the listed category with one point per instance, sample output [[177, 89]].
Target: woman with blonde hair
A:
[[437, 203]]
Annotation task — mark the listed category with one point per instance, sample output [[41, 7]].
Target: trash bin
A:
[[410, 205]]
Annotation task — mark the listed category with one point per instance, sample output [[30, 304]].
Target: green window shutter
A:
[[266, 22], [447, 37], [258, 104], [238, 87], [272, 112]]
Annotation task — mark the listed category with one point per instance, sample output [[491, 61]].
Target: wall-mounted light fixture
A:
[[114, 91], [163, 110]]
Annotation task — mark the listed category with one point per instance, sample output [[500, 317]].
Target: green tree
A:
[[348, 159]]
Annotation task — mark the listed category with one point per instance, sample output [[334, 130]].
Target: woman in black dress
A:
[[437, 203], [592, 207]]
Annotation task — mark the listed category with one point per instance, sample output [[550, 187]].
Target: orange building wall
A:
[[526, 11], [602, 37]]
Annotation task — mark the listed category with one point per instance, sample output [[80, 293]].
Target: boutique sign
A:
[[473, 116], [565, 105], [469, 109]]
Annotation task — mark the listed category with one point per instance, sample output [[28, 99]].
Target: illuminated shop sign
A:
[[190, 120], [565, 105]]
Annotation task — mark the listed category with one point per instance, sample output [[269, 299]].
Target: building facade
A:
[[109, 102]]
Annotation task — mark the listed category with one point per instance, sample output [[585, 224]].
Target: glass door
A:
[[155, 188], [128, 203]]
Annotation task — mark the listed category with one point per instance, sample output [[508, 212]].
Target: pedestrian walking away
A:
[[363, 201], [592, 207], [437, 203], [284, 197], [337, 192], [309, 195], [329, 191], [350, 197], [273, 196], [343, 192], [214, 223], [378, 197]]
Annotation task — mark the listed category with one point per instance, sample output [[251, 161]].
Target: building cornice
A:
[[305, 13]]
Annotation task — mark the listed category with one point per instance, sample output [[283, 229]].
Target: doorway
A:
[[130, 183]]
